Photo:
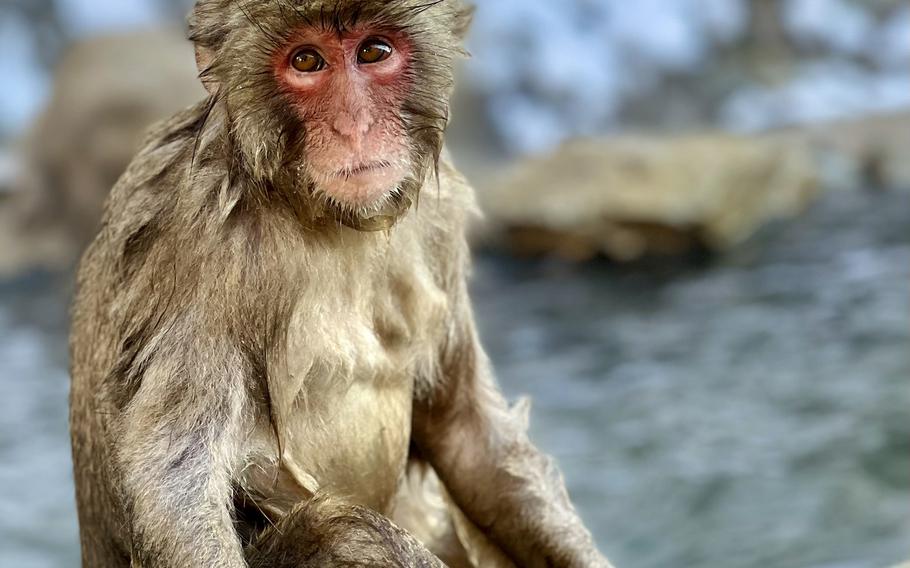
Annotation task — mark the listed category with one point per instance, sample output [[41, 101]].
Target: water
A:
[[37, 511], [749, 411]]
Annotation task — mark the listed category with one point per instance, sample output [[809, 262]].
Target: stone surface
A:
[[107, 91], [871, 151], [633, 196]]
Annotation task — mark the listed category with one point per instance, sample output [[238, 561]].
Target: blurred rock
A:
[[8, 173], [871, 151], [629, 197], [107, 91]]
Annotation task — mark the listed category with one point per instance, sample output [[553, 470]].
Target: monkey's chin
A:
[[365, 190]]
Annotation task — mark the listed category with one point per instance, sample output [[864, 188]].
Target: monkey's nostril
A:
[[366, 120], [344, 124]]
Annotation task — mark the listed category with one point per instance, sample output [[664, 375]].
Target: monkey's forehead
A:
[[212, 21]]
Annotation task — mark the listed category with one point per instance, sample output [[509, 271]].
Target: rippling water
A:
[[748, 411]]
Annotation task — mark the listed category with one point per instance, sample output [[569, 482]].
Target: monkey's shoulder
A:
[[456, 187], [446, 206]]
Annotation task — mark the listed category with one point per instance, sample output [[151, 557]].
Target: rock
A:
[[107, 92], [629, 197], [869, 151], [8, 172]]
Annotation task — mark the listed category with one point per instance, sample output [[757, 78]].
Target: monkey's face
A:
[[341, 103], [348, 89]]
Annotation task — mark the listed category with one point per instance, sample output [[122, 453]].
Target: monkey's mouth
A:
[[364, 187], [372, 167]]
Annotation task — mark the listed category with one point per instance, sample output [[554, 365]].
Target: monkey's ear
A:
[[206, 32], [205, 59], [463, 19]]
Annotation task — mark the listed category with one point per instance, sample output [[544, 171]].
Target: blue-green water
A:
[[747, 411]]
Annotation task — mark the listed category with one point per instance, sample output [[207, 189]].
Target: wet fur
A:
[[225, 312]]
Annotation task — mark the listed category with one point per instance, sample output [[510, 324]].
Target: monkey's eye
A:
[[373, 51], [307, 60]]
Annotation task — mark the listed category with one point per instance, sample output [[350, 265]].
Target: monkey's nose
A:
[[353, 125]]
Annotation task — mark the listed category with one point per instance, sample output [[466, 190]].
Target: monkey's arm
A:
[[482, 453], [177, 449]]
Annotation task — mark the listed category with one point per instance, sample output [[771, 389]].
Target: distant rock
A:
[[870, 151], [8, 173], [107, 91], [629, 197]]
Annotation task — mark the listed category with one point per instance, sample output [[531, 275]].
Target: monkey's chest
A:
[[344, 410], [355, 445]]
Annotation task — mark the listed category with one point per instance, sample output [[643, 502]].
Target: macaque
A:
[[274, 357]]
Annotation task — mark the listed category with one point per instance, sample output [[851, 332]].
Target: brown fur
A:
[[326, 534], [251, 376]]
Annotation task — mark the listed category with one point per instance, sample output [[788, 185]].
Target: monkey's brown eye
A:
[[307, 60], [374, 51]]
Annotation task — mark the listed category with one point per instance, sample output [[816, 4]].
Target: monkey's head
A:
[[341, 102]]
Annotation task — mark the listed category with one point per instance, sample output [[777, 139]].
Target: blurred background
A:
[[695, 257]]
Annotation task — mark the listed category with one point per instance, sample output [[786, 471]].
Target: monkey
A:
[[272, 341]]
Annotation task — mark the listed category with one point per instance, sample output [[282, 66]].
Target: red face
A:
[[348, 89]]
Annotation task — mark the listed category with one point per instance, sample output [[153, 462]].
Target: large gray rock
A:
[[872, 150], [107, 91], [628, 197]]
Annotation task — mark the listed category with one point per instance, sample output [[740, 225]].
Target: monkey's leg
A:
[[323, 533]]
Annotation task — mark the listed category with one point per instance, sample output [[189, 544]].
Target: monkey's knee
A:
[[325, 533]]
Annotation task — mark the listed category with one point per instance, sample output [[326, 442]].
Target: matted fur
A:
[[242, 359]]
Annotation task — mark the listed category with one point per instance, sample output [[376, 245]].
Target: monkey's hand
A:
[[481, 452], [325, 532]]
